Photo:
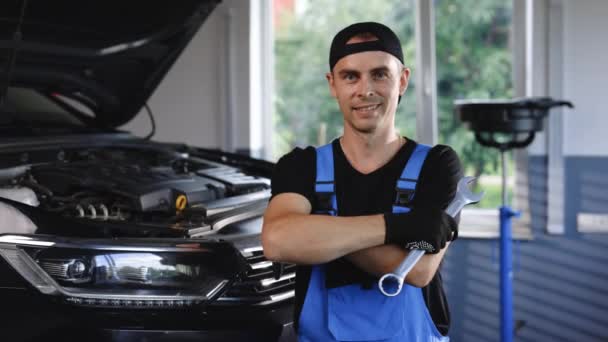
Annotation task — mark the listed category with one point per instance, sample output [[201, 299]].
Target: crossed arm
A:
[[292, 234]]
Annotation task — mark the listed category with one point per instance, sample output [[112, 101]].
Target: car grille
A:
[[260, 287]]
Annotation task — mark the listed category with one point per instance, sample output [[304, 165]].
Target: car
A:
[[105, 235]]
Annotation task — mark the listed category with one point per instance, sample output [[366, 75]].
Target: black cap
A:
[[387, 42]]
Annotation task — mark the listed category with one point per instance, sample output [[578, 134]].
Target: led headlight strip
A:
[[130, 275]]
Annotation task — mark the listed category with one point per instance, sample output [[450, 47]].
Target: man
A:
[[340, 214]]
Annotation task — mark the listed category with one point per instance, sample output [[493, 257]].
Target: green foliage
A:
[[493, 195], [473, 61]]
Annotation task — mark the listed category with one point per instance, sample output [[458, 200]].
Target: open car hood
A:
[[108, 56]]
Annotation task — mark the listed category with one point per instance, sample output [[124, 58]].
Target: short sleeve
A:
[[437, 187], [295, 172], [438, 178]]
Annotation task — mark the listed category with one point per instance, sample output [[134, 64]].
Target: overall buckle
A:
[[404, 197]]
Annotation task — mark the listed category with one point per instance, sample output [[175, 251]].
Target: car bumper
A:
[[28, 317]]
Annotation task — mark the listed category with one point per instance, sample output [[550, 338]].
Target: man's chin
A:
[[365, 129], [364, 125]]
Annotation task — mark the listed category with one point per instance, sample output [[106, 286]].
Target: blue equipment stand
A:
[[506, 261], [489, 118], [506, 274]]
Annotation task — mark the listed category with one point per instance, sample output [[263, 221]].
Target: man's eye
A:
[[350, 77], [380, 75]]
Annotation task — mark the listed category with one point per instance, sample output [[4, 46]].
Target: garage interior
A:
[[222, 91]]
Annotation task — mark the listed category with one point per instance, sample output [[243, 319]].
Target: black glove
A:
[[421, 228]]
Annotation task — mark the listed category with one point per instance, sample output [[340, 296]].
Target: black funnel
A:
[[487, 117]]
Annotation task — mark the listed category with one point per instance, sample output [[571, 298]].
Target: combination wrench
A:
[[391, 283]]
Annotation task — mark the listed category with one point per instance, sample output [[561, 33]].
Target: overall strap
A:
[[406, 184], [325, 187]]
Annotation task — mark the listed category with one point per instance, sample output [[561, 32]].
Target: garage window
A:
[[472, 44]]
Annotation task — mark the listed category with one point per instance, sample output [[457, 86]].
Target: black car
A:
[[107, 236]]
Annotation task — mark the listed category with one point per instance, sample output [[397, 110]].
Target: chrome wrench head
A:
[[462, 189], [391, 283], [463, 197]]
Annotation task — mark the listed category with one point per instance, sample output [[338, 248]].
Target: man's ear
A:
[[404, 80], [330, 81]]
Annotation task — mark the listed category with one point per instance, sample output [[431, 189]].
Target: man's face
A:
[[367, 86]]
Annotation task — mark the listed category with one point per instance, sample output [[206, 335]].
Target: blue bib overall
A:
[[353, 313]]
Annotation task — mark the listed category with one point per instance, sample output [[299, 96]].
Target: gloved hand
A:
[[421, 228]]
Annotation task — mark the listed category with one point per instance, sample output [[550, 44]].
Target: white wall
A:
[[566, 61], [565, 58], [586, 77], [207, 86]]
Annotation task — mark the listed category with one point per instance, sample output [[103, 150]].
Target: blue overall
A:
[[351, 312]]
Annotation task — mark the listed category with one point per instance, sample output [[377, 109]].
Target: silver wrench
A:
[[391, 283]]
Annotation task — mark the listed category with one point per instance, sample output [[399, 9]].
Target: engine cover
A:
[[146, 188]]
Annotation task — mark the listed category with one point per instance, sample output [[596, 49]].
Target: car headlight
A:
[[131, 273]]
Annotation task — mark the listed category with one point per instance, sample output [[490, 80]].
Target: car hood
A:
[[108, 56]]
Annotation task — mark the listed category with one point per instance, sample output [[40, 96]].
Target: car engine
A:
[[158, 189]]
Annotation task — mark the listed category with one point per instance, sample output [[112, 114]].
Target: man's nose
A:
[[366, 88]]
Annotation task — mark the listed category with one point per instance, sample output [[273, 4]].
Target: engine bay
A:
[[158, 189]]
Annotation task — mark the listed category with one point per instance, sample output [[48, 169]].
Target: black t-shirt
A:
[[366, 194]]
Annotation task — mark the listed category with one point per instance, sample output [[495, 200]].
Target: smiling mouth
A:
[[365, 109]]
